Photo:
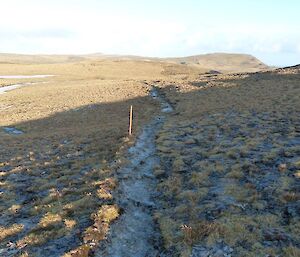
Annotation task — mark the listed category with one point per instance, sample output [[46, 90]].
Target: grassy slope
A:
[[223, 62], [229, 174], [199, 63]]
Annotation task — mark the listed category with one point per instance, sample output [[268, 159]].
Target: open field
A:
[[57, 174], [226, 160], [127, 67]]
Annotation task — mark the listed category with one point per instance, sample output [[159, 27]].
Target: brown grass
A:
[[10, 231], [58, 174], [74, 127], [230, 134]]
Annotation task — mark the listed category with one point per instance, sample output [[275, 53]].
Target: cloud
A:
[[72, 27], [268, 39]]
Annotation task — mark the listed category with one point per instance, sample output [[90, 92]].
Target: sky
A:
[[267, 29]]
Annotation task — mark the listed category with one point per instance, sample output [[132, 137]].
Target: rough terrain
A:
[[229, 175], [213, 167]]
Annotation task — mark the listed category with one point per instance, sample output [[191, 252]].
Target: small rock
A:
[[282, 167], [297, 174], [190, 141]]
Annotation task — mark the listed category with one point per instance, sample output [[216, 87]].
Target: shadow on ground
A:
[[228, 162]]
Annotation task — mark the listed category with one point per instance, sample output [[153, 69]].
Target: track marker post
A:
[[130, 120]]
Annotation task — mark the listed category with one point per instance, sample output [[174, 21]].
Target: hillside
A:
[[228, 179], [98, 66], [7, 58], [223, 62]]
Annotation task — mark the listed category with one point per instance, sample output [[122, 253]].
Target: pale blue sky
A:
[[268, 29]]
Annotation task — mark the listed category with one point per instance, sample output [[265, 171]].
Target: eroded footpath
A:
[[135, 233]]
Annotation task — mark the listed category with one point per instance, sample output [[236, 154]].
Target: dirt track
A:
[[135, 233]]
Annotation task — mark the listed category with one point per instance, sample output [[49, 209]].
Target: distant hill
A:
[[7, 58], [223, 62], [215, 63], [212, 63]]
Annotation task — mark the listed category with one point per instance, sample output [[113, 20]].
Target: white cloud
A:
[[67, 27], [268, 39]]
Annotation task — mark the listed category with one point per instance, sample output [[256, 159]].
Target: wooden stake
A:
[[130, 121]]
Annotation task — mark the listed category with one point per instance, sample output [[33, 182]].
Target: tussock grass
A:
[[241, 174], [10, 231]]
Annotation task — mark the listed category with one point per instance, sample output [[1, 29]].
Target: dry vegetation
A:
[[229, 175], [56, 180], [230, 167]]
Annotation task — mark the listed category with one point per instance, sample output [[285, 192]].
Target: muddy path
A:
[[135, 234]]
